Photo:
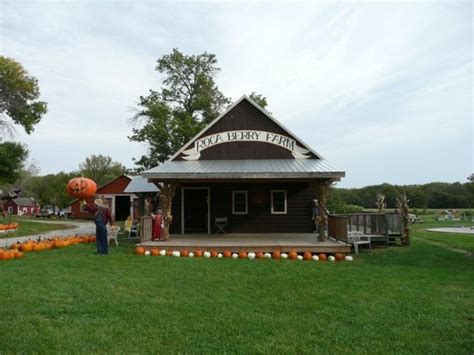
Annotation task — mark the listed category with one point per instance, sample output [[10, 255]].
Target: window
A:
[[10, 209], [82, 207], [278, 201], [239, 202]]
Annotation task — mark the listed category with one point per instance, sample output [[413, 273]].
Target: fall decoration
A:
[[331, 258], [242, 255], [322, 257], [227, 254], [339, 257], [307, 255], [81, 187], [293, 255], [154, 252], [259, 255], [276, 254], [140, 250]]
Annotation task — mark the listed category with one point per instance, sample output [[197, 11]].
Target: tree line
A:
[[431, 195]]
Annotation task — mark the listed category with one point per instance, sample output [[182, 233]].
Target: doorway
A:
[[122, 207], [195, 210]]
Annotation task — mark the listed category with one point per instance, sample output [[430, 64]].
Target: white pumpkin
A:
[[147, 253], [348, 258], [284, 255], [235, 256], [162, 252], [176, 254], [191, 255], [251, 256], [315, 257], [331, 258], [219, 255], [267, 256], [300, 257], [207, 254]]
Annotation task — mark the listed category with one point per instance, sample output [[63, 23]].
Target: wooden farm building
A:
[[120, 202], [21, 206], [246, 169]]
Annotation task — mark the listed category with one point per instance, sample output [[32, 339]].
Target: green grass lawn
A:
[[398, 300], [30, 227]]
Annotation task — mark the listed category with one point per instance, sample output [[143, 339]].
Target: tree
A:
[[18, 97], [101, 169], [188, 101], [12, 157], [259, 99]]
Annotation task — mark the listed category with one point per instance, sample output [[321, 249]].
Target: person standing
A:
[[157, 224], [102, 216]]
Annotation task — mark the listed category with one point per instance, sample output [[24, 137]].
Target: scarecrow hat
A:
[[100, 202]]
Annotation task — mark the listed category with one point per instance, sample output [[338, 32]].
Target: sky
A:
[[383, 90]]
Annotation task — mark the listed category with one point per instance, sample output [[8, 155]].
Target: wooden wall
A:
[[259, 218], [241, 117]]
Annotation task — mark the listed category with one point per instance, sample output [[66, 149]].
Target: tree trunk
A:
[[166, 193]]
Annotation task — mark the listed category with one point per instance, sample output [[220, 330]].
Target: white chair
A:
[[357, 238], [134, 229], [112, 234]]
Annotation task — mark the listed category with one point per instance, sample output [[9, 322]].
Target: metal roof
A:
[[244, 169], [140, 184], [24, 201]]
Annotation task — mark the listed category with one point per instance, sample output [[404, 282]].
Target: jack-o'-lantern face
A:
[[81, 187]]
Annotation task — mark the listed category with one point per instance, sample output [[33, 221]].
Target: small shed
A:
[[21, 206], [120, 202]]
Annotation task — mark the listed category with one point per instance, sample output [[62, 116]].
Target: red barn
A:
[[113, 191], [21, 206]]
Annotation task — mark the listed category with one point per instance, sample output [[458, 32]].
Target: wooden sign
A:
[[194, 153]]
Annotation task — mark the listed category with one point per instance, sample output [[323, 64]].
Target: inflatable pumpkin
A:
[[81, 187]]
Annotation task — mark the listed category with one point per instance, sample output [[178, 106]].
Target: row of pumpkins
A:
[[11, 226], [17, 249], [292, 255]]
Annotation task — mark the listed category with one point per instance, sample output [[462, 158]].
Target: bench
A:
[[357, 238]]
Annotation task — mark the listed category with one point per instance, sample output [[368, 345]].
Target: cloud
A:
[[366, 84]]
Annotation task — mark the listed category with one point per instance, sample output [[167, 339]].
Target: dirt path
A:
[[445, 246]]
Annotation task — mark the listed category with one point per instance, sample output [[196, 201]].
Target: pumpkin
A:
[[284, 255], [219, 255], [293, 255], [207, 254], [300, 257], [191, 254], [315, 257], [242, 254], [176, 254], [2, 227], [15, 246], [267, 256], [198, 253], [276, 254], [213, 254], [184, 253], [339, 257], [169, 252], [348, 258], [154, 251], [235, 256], [331, 258], [251, 256], [140, 250], [259, 254], [162, 252], [227, 254], [147, 253], [307, 255], [322, 257], [81, 187]]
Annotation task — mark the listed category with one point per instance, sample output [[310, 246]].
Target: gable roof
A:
[[140, 185], [265, 112], [24, 201]]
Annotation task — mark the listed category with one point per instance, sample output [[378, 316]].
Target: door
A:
[[122, 207], [196, 210]]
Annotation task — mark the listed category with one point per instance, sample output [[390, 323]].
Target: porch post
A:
[[166, 194], [321, 191]]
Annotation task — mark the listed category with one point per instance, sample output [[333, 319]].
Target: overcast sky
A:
[[383, 90]]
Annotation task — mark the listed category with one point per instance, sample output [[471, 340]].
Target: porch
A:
[[266, 242]]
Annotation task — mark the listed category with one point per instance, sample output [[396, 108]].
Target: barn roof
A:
[[139, 184], [24, 201], [240, 169]]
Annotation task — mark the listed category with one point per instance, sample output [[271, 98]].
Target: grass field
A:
[[398, 300], [30, 227]]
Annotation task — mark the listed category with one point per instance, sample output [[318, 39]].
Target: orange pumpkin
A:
[[307, 255], [213, 254], [339, 256], [18, 254], [140, 250], [185, 253], [155, 252], [293, 255], [276, 254], [259, 255], [242, 254], [198, 253], [81, 187], [227, 254], [322, 257]]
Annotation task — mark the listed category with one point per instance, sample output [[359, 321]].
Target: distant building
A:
[[120, 202], [21, 206]]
